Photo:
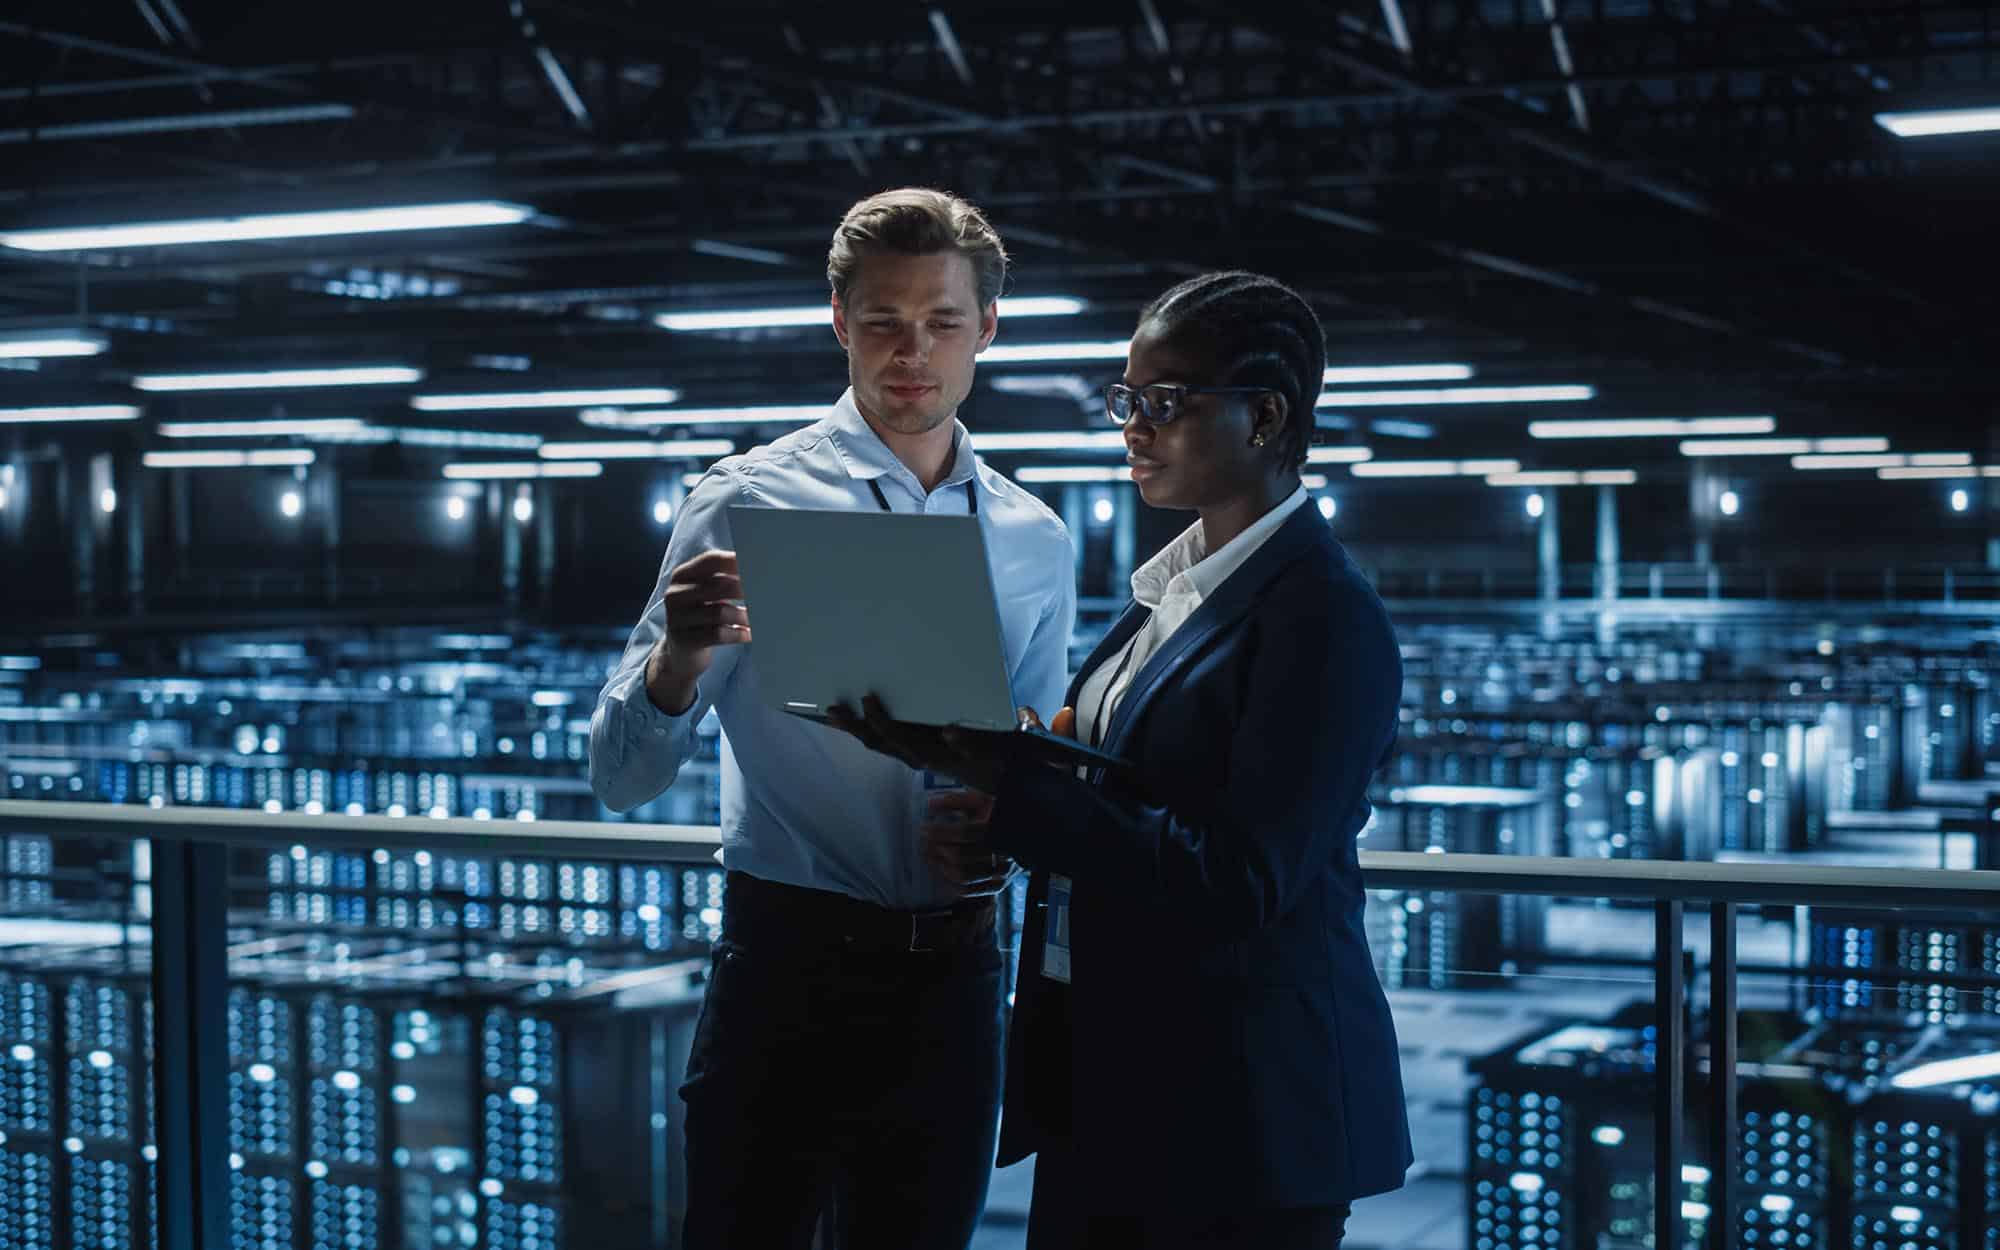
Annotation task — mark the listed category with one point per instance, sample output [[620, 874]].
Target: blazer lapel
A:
[[1117, 636], [1238, 593]]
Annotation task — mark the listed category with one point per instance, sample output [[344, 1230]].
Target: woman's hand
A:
[[954, 843], [976, 760]]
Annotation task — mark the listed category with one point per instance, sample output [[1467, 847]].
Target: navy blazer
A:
[[1225, 1044]]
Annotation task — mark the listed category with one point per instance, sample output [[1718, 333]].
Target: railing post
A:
[[1721, 1074], [191, 1048], [1669, 1069]]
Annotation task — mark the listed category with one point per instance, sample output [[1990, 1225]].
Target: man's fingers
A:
[[708, 564], [707, 614], [1064, 724], [710, 636], [707, 590]]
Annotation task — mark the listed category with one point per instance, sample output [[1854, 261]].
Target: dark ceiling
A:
[[1685, 203]]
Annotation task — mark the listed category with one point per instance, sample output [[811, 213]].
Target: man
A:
[[850, 1042]]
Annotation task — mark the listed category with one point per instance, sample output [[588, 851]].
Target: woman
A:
[[1201, 1052]]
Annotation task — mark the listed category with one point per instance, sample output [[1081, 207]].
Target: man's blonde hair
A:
[[916, 221]]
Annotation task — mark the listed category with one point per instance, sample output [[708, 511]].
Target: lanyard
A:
[[971, 497], [1097, 724]]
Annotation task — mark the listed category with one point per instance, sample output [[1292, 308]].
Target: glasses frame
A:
[[1139, 405]]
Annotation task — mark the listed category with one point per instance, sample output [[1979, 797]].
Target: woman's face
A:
[[1203, 457]]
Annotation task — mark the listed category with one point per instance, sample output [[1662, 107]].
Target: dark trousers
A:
[[1063, 1216], [834, 1063]]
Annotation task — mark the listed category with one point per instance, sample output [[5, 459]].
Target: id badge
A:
[[1055, 934]]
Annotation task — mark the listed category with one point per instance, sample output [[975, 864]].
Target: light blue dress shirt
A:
[[803, 804]]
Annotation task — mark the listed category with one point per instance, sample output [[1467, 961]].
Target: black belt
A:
[[756, 910]]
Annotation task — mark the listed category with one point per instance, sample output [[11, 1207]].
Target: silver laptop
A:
[[901, 605]]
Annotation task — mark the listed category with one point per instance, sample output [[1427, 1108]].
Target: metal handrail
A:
[[1644, 880], [190, 960]]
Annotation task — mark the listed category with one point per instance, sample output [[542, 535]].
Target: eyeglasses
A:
[[1161, 402]]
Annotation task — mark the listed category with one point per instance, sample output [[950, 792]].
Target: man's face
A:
[[911, 326]]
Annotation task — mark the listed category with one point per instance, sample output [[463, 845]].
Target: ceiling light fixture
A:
[[1442, 395], [85, 412], [49, 344], [822, 314], [769, 414], [1651, 428], [1050, 440], [262, 429], [1351, 374], [275, 458], [1028, 353], [280, 379], [637, 449], [502, 469], [1071, 473], [1781, 446], [1927, 459], [1434, 468], [1338, 455], [1911, 473], [269, 226], [1925, 123], [480, 402]]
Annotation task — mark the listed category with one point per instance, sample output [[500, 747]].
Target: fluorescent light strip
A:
[[49, 345], [638, 450], [1351, 374], [1536, 477], [86, 412], [501, 469], [1781, 446], [1640, 428], [1421, 397], [1050, 440], [1949, 1071], [1434, 468], [1914, 474], [1609, 477], [226, 459], [822, 314], [417, 437], [544, 399], [270, 226], [1313, 481], [769, 414], [262, 429], [1338, 455], [1070, 473], [1024, 353], [1926, 460], [1927, 122], [280, 379]]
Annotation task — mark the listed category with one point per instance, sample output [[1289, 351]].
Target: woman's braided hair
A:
[[1259, 332]]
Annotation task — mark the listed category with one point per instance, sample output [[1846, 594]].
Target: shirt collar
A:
[[1185, 564], [866, 457]]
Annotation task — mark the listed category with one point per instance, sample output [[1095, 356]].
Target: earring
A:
[[1259, 440]]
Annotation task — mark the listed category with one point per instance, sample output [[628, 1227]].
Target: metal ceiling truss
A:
[[1606, 179]]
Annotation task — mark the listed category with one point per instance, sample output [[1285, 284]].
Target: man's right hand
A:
[[704, 611]]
